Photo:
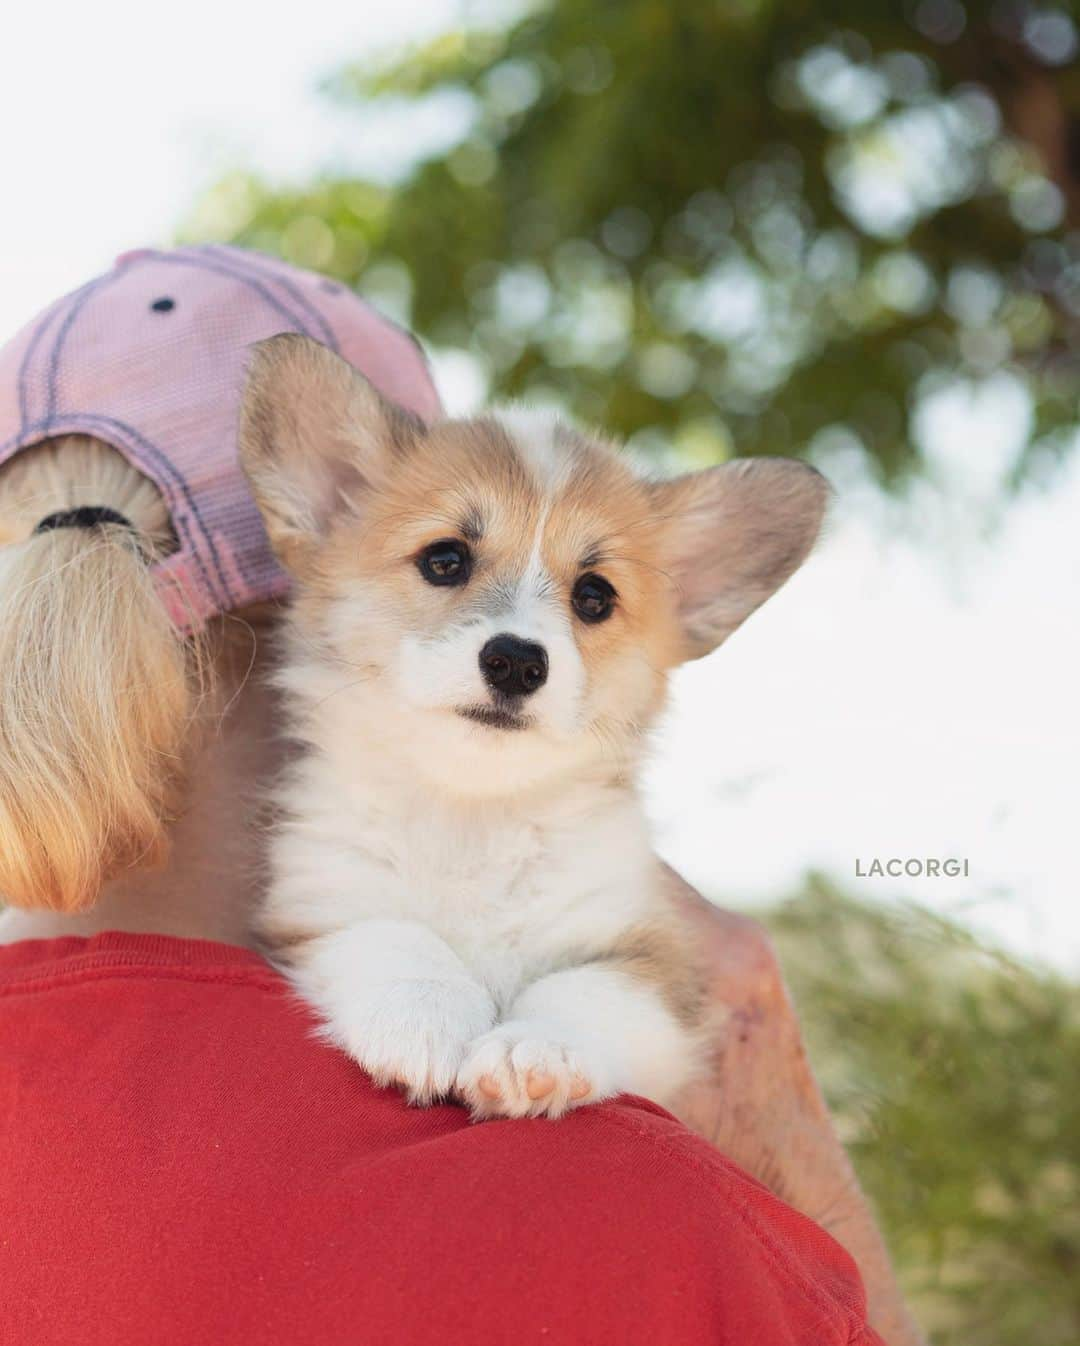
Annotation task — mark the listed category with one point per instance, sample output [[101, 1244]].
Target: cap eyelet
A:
[[163, 305]]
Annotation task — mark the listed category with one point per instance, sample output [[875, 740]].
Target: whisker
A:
[[322, 652], [345, 687]]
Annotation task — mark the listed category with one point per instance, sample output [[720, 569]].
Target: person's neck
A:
[[212, 881]]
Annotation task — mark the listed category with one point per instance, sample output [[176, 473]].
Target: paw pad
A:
[[520, 1070]]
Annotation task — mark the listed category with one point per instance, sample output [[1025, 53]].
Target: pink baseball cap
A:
[[150, 358]]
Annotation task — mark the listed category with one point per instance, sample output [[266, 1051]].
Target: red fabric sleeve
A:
[[184, 1162]]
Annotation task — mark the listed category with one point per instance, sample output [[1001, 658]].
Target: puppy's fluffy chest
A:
[[515, 891]]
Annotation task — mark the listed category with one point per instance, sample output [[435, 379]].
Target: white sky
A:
[[895, 700], [890, 704]]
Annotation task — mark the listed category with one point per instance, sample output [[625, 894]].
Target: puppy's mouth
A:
[[496, 717]]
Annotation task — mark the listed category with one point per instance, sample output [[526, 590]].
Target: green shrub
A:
[[953, 1073]]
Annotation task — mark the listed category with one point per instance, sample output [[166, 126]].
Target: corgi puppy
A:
[[485, 615]]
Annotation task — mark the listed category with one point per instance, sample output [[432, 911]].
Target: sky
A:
[[910, 695]]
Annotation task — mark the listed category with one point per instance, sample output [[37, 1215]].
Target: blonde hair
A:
[[97, 687]]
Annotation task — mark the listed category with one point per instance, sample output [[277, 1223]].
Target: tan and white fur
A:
[[462, 880]]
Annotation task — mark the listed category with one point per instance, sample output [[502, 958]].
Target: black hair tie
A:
[[84, 516]]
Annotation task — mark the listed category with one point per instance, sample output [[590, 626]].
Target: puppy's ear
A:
[[314, 436], [733, 535]]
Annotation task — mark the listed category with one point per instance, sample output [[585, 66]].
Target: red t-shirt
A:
[[182, 1161]]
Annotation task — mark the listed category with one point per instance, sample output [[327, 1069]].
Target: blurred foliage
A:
[[726, 224], [952, 1071]]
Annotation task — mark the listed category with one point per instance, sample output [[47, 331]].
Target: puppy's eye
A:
[[445, 562], [593, 598]]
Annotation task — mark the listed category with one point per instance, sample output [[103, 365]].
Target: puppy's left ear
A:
[[733, 535], [315, 435]]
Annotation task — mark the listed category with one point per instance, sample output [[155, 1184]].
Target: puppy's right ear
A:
[[314, 436]]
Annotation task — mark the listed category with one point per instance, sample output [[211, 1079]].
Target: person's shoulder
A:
[[195, 1070], [669, 1229]]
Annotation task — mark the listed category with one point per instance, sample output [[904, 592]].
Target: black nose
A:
[[513, 667]]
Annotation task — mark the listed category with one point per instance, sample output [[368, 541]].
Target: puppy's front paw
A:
[[415, 1034], [523, 1069]]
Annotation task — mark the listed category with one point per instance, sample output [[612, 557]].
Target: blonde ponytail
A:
[[97, 688]]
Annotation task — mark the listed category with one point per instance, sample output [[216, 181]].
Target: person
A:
[[184, 1159]]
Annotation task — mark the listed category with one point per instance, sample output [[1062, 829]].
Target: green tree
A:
[[726, 225]]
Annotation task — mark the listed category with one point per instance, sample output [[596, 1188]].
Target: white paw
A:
[[415, 1033], [522, 1069]]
